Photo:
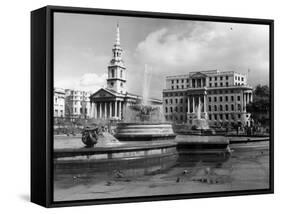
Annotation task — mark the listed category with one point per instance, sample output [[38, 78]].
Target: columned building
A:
[[220, 97], [111, 102]]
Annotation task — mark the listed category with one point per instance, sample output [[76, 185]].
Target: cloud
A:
[[87, 82], [205, 46], [91, 79]]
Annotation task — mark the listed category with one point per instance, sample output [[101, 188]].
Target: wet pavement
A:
[[246, 168]]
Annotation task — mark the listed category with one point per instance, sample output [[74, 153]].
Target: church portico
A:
[[106, 105], [108, 109]]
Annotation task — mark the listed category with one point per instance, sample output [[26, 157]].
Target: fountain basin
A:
[[144, 131], [119, 157]]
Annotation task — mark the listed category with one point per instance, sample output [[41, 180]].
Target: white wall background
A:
[[15, 107]]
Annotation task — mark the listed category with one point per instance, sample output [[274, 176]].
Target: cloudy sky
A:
[[83, 43]]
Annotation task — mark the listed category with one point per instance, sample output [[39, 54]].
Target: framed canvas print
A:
[[141, 106]]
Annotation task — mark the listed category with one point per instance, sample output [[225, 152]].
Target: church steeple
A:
[[116, 70], [117, 42]]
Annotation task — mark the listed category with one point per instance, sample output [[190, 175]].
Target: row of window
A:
[[211, 117], [80, 93], [238, 78], [216, 84], [226, 116], [59, 100], [77, 103], [216, 78], [222, 92], [214, 99], [175, 94], [210, 79], [176, 101], [210, 108], [56, 113], [176, 109], [179, 87], [239, 83], [177, 81], [78, 97], [226, 98], [226, 107], [210, 85], [75, 110]]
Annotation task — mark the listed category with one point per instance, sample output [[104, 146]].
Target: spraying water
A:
[[146, 86]]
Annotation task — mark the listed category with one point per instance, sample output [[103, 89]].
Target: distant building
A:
[[77, 104], [111, 102], [59, 102], [221, 96]]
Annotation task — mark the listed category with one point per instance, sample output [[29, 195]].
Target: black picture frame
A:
[[42, 104]]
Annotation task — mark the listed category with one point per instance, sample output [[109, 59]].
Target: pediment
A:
[[103, 93], [198, 75]]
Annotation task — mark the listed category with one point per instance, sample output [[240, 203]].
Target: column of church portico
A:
[[120, 113], [97, 107], [123, 109], [115, 109], [100, 110], [193, 105], [110, 109]]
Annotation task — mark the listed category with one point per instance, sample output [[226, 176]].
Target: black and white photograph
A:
[[146, 106]]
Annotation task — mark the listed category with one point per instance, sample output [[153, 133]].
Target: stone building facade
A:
[[219, 96], [77, 104], [59, 102]]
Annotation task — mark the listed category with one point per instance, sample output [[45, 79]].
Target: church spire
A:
[[117, 42], [116, 80]]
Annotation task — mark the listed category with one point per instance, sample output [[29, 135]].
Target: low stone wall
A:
[[88, 157]]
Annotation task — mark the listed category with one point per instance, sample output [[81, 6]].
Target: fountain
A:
[[199, 122], [201, 139], [144, 121]]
